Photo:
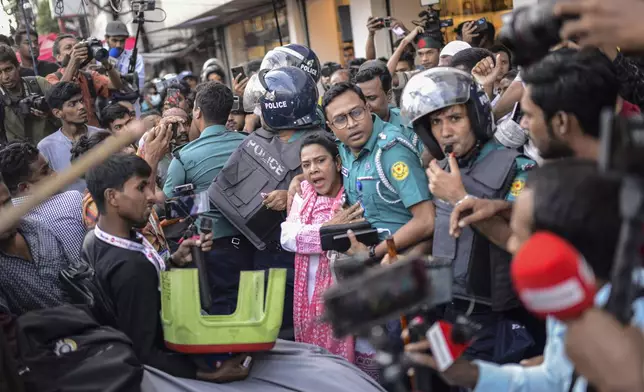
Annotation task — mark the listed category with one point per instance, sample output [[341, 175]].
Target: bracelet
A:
[[463, 199]]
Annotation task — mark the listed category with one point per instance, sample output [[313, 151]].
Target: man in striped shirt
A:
[[23, 166]]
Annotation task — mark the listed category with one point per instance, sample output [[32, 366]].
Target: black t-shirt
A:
[[44, 68], [131, 281]]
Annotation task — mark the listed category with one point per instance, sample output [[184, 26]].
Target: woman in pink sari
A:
[[320, 204]]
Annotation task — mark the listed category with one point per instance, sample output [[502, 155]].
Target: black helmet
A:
[[290, 100], [439, 88]]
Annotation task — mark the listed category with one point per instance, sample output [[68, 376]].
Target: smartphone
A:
[[399, 31], [517, 113], [443, 23], [236, 71], [481, 25], [174, 127], [174, 95], [189, 205]]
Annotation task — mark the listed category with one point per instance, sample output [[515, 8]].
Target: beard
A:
[[556, 149]]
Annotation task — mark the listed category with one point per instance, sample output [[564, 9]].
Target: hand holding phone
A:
[[236, 71]]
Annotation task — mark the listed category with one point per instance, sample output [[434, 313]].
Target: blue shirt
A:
[[401, 168], [57, 149], [555, 373], [201, 161]]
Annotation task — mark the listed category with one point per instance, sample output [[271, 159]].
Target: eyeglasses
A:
[[341, 121]]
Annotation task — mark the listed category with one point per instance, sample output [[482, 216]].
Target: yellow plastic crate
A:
[[253, 326]]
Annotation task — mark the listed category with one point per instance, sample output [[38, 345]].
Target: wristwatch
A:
[[372, 252]]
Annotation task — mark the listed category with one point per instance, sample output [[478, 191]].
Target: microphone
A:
[[115, 52], [113, 56], [552, 278]]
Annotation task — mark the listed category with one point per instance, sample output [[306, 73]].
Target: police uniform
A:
[[482, 286], [198, 163], [263, 163], [481, 269], [396, 119], [386, 177]]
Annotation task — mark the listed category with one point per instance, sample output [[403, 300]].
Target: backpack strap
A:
[[90, 84], [3, 132], [32, 85]]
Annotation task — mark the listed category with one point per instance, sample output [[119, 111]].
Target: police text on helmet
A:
[[275, 105]]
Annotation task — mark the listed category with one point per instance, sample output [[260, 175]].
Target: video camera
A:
[[32, 101], [369, 297], [621, 151], [432, 23], [530, 32]]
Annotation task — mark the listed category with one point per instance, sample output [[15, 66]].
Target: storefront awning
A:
[[156, 57], [222, 15]]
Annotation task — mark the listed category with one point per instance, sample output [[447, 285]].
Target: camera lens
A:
[[99, 53]]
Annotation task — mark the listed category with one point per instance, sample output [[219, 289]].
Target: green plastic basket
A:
[[253, 326]]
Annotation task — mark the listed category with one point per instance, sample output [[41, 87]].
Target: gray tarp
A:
[[289, 366]]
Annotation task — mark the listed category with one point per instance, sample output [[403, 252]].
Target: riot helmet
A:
[[290, 100], [253, 92], [293, 55], [212, 66], [439, 88]]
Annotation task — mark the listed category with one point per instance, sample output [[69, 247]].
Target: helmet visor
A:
[[433, 90], [253, 92]]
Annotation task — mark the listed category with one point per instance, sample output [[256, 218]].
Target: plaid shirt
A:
[[30, 285], [63, 215], [153, 231]]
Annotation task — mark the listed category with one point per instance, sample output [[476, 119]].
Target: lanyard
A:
[[144, 247]]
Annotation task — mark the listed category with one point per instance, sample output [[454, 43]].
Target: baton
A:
[[52, 185]]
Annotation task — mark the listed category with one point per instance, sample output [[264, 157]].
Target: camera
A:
[[186, 203], [33, 101], [622, 144], [432, 23], [95, 50], [376, 295], [530, 32]]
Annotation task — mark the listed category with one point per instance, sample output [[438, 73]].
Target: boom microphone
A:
[[552, 278]]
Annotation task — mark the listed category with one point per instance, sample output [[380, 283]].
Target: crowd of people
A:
[[445, 149]]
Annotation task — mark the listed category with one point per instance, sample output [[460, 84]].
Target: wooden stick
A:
[[49, 187]]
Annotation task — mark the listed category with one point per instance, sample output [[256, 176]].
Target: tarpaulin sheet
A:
[[289, 366]]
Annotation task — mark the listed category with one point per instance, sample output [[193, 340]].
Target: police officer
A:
[[198, 163], [451, 113], [381, 170], [294, 55], [374, 79], [251, 190]]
